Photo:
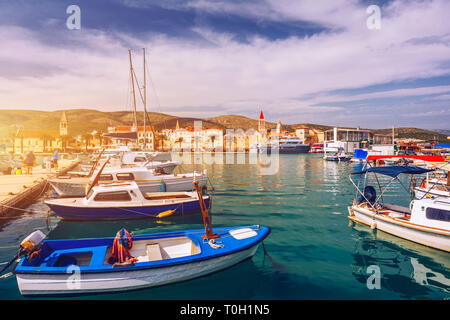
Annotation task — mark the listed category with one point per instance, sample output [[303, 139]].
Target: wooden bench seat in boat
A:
[[165, 195], [396, 208], [154, 252]]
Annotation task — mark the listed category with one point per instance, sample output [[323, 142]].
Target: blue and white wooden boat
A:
[[125, 201], [81, 266]]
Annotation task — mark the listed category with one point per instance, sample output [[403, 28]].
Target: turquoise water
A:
[[312, 251]]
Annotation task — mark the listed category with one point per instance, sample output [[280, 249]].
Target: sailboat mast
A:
[[132, 90], [145, 104]]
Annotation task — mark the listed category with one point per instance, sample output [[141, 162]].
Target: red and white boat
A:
[[317, 148]]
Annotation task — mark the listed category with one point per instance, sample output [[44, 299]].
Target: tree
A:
[[213, 139], [87, 138], [160, 138]]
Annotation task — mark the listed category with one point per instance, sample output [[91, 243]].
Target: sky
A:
[[300, 61]]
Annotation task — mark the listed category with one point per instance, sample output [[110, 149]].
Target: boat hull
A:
[[421, 193], [43, 281], [292, 150], [125, 212], [284, 149], [56, 284], [337, 159], [427, 236]]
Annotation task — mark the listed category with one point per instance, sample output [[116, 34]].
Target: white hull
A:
[[421, 193], [432, 237], [54, 284]]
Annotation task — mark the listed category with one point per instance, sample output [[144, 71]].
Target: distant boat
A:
[[337, 156], [134, 159], [125, 200], [317, 148], [285, 145], [433, 188]]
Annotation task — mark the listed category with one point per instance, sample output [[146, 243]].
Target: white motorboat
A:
[[117, 201], [433, 188], [147, 181]]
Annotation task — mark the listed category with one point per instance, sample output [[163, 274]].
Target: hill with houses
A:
[[82, 121]]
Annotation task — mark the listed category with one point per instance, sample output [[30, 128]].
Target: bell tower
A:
[[63, 125], [261, 122]]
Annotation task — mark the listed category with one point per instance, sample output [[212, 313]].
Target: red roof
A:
[[129, 128], [261, 116]]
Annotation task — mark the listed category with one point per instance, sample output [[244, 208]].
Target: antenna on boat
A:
[[206, 221], [91, 172], [97, 177]]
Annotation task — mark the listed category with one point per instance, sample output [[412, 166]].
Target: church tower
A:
[[63, 125], [261, 123], [278, 130]]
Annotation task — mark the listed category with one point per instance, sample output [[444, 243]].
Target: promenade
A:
[[17, 191]]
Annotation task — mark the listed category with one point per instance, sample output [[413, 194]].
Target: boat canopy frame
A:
[[392, 171]]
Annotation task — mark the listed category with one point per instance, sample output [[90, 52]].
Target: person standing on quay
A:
[[55, 159], [29, 162]]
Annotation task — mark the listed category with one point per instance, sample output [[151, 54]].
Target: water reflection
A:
[[407, 268]]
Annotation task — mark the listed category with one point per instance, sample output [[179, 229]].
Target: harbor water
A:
[[311, 253]]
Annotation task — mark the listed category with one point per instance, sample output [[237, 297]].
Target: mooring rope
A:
[[24, 210]]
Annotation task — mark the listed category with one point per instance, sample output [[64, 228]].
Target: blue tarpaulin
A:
[[394, 171], [446, 146], [360, 154]]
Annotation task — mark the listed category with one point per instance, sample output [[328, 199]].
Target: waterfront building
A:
[[212, 139], [303, 133], [142, 134], [349, 139], [41, 141]]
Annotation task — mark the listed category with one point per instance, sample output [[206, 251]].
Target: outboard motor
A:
[[370, 195], [28, 247]]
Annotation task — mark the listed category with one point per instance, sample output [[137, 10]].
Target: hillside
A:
[[239, 122], [83, 121], [415, 133]]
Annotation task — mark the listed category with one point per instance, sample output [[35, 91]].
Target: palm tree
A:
[[213, 138], [87, 137], [45, 137], [12, 133], [179, 140], [161, 138]]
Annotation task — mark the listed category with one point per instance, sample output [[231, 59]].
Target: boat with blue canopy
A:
[[425, 221]]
